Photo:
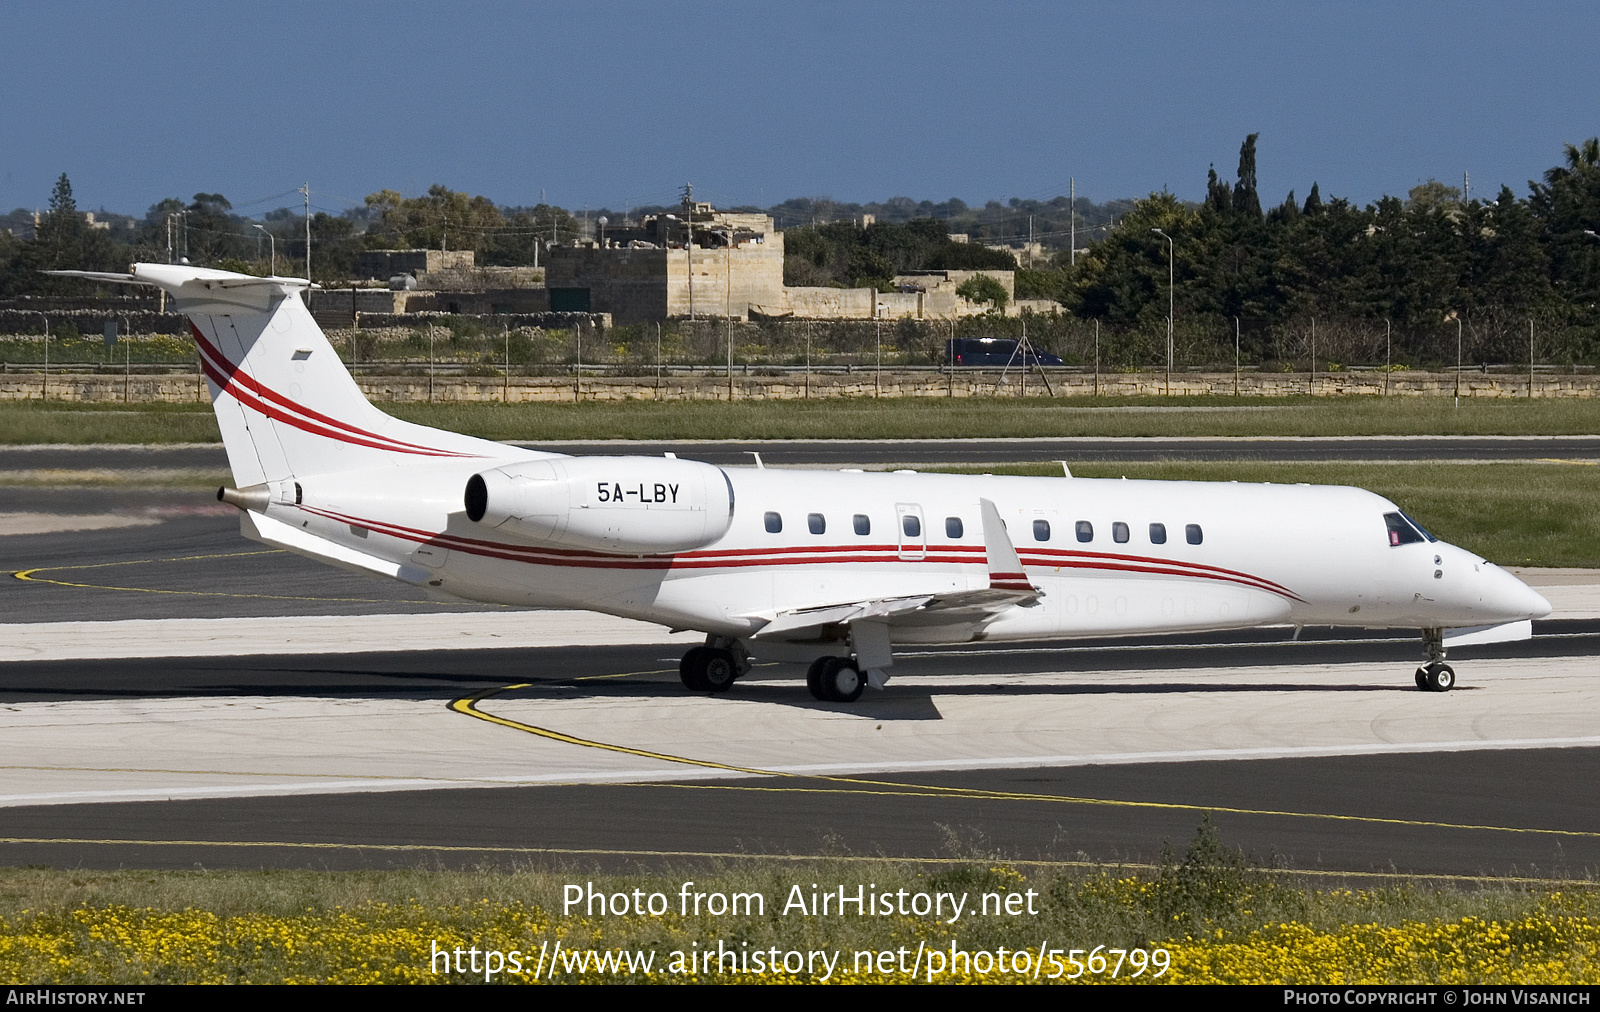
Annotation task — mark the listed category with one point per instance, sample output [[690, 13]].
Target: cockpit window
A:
[[1419, 527], [1401, 530]]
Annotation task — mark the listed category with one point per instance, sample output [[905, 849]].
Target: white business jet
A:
[[832, 568]]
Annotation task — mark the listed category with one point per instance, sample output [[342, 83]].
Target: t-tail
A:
[[285, 403]]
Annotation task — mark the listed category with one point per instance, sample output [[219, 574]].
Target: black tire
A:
[[814, 678], [718, 671], [692, 669], [1422, 679], [1441, 677], [842, 681]]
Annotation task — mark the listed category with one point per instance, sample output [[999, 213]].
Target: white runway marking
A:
[[55, 523], [322, 634], [154, 749]]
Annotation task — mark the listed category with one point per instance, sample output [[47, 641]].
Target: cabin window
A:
[[1158, 534], [1119, 532], [1041, 530], [774, 522], [817, 524], [863, 524], [1400, 532], [953, 529], [1085, 531], [1191, 534], [911, 525]]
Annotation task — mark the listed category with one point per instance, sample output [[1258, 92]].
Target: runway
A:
[[172, 695], [1315, 752]]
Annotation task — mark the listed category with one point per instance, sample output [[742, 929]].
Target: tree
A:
[[60, 233], [1432, 195], [1313, 201], [443, 219], [1218, 197], [1245, 200], [1123, 279], [982, 288]]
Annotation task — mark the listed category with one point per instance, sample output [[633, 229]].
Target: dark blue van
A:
[[993, 351]]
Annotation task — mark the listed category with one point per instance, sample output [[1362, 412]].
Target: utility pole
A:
[[1072, 222], [1530, 358], [1387, 346], [1235, 356], [306, 190], [1171, 300], [1097, 356], [688, 242], [1458, 360], [272, 246], [877, 377], [1311, 384]]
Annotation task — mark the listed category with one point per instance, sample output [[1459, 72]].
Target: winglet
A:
[[1005, 567]]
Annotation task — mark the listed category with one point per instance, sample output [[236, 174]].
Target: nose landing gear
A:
[[1436, 675]]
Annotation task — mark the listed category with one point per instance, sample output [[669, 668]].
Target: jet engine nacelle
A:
[[632, 505]]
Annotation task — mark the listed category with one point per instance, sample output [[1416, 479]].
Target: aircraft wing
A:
[[1008, 587]]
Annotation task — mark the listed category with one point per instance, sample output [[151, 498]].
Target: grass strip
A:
[[1513, 514], [1215, 916], [908, 418]]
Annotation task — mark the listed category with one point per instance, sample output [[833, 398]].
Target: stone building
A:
[[653, 271]]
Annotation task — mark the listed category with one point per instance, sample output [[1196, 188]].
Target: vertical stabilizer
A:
[[284, 400]]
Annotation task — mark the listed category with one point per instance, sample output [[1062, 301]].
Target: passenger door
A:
[[911, 531]]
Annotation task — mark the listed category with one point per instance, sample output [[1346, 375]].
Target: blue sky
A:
[[618, 104]]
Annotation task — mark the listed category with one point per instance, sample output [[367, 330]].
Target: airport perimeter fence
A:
[[486, 346]]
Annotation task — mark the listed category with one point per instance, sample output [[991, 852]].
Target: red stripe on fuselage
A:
[[742, 558]]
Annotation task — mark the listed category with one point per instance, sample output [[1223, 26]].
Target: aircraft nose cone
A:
[[1514, 598]]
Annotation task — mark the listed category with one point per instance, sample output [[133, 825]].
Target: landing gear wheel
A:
[[1422, 680], [841, 681], [692, 669], [1441, 678], [718, 670], [814, 678]]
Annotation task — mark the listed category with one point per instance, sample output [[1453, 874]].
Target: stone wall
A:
[[829, 303], [790, 386], [92, 322], [756, 271]]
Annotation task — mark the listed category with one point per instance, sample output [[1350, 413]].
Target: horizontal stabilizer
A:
[[172, 276], [1510, 632], [115, 279], [268, 531]]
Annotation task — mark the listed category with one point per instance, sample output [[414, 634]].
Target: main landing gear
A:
[[1436, 675], [835, 680], [715, 666]]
